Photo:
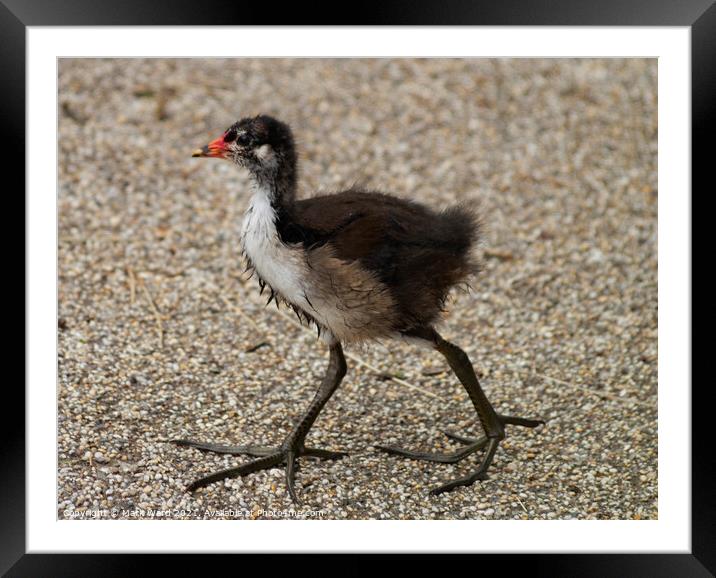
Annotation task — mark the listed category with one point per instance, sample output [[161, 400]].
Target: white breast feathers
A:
[[281, 266]]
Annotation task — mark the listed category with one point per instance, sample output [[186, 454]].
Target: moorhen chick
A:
[[359, 265]]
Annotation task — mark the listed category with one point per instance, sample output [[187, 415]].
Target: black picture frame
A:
[[699, 15]]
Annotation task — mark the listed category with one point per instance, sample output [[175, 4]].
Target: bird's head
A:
[[260, 144]]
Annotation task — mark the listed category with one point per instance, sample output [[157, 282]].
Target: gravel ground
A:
[[161, 337]]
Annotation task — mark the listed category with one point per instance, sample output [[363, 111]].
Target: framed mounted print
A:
[[420, 284]]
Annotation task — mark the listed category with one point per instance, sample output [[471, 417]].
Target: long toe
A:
[[521, 421], [265, 463], [291, 475], [249, 450], [323, 454], [443, 458]]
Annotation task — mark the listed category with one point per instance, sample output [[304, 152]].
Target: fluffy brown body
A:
[[364, 265]]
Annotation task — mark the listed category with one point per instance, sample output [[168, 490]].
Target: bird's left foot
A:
[[470, 447], [269, 458]]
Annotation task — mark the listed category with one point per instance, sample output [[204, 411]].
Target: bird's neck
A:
[[278, 182]]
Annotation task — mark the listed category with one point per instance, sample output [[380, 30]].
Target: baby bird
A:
[[359, 265]]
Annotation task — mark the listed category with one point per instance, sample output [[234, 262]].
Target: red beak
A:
[[215, 149]]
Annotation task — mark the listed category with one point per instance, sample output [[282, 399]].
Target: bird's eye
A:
[[243, 139]]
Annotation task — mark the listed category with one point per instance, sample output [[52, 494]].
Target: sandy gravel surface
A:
[[160, 337]]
